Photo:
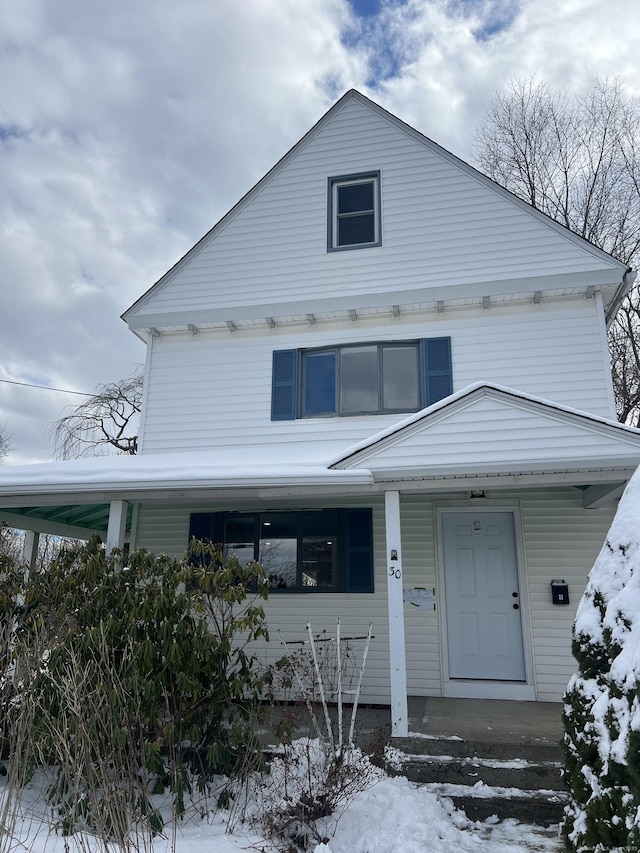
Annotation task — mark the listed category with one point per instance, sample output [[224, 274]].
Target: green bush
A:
[[601, 711], [141, 669]]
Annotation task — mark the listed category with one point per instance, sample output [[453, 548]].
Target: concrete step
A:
[[508, 780], [541, 808], [529, 750], [515, 773]]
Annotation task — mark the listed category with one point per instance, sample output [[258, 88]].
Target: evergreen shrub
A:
[[141, 676], [602, 704]]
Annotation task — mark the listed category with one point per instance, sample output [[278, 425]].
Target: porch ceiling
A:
[[68, 519]]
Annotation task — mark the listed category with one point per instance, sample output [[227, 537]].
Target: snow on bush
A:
[[602, 706]]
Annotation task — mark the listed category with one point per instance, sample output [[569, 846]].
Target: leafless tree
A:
[[106, 421], [5, 444], [577, 159]]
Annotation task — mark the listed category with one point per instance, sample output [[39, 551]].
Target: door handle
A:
[[516, 607]]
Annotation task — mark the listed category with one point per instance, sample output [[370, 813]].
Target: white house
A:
[[385, 377]]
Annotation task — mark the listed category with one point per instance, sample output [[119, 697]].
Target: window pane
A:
[[359, 379], [239, 537], [400, 382], [320, 548], [354, 197], [356, 229], [319, 383], [279, 548]]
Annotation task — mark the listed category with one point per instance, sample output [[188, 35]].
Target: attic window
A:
[[354, 212]]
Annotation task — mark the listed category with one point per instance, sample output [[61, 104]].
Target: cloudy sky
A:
[[128, 127]]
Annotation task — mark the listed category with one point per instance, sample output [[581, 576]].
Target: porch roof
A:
[[482, 437]]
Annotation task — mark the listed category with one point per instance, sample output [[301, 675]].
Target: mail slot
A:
[[559, 592]]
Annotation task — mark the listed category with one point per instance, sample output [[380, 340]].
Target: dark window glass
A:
[[239, 538], [320, 531], [400, 378], [353, 230], [320, 383], [355, 197], [278, 551]]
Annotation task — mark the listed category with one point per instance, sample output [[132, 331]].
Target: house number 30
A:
[[394, 573]]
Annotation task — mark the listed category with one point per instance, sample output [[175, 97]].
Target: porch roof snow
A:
[[195, 469]]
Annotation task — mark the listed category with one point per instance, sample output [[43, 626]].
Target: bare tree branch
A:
[[5, 444], [102, 423], [578, 161]]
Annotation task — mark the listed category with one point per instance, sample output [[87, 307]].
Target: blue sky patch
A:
[[373, 34], [365, 8], [495, 15]]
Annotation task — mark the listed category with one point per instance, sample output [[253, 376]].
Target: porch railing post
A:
[[30, 550], [117, 525], [398, 664]]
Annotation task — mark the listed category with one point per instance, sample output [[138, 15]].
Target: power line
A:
[[45, 387]]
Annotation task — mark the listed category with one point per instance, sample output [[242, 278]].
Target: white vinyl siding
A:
[[561, 540], [214, 389], [166, 529], [440, 226]]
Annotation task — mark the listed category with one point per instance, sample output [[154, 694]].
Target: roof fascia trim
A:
[[577, 281]]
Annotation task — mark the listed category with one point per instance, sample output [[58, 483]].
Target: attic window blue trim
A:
[[354, 206], [361, 379], [326, 550]]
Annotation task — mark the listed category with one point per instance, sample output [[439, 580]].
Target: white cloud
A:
[[127, 129]]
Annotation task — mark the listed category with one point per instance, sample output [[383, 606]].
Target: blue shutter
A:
[[436, 365], [284, 385], [358, 550]]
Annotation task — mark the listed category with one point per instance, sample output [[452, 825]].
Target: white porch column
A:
[[399, 714], [117, 525], [30, 550]]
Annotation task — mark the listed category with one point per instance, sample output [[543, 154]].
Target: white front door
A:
[[482, 597]]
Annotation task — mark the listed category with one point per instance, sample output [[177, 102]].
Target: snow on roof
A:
[[224, 467]]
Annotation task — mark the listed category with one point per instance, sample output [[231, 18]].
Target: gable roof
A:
[[601, 260], [489, 429]]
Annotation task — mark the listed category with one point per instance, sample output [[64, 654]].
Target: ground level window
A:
[[327, 550]]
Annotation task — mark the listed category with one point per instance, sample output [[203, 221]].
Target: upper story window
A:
[[360, 379], [354, 212], [365, 379]]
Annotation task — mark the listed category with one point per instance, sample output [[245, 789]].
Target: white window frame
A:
[[335, 184]]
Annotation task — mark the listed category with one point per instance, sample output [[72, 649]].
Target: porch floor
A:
[[492, 721]]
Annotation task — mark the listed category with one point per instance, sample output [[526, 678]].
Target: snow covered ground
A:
[[392, 816]]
